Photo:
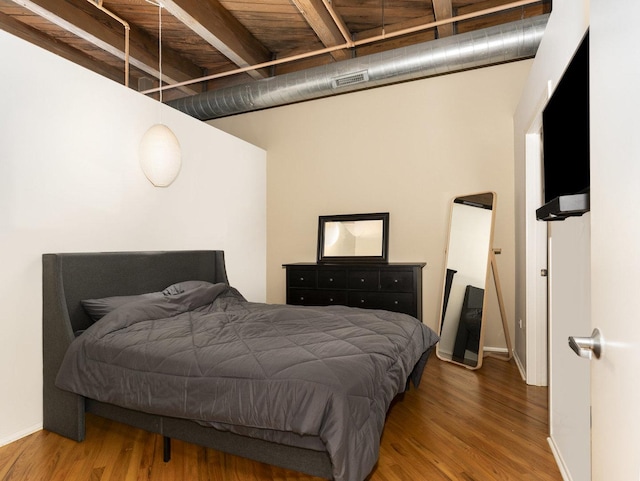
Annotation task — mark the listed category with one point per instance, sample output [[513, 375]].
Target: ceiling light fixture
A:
[[160, 156]]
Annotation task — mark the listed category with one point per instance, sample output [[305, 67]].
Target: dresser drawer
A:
[[366, 280], [365, 300], [396, 281], [398, 302], [302, 297], [329, 297], [316, 297], [301, 278], [332, 279]]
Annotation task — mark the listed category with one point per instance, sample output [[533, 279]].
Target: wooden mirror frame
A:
[[466, 279], [383, 240]]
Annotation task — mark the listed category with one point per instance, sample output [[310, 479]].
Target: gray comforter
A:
[[283, 373]]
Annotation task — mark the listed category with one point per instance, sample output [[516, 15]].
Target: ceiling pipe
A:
[[349, 44], [127, 28], [480, 48]]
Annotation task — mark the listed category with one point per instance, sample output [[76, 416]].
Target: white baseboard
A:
[[523, 372], [20, 434], [561, 465], [501, 350]]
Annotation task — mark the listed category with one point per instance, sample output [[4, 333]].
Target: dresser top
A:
[[374, 265]]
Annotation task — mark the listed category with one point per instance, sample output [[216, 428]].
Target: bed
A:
[[162, 342]]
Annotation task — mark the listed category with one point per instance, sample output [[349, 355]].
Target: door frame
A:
[[536, 368]]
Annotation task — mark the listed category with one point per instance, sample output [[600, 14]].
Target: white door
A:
[[615, 238], [569, 313]]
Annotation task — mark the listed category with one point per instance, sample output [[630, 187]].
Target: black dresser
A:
[[394, 286]]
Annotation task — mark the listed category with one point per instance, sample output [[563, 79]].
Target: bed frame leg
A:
[[166, 449]]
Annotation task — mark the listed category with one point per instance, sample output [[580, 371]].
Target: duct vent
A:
[[350, 79]]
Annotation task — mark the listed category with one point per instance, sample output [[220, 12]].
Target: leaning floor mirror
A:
[[469, 256]]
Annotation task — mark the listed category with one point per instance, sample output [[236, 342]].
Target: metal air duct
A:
[[503, 43]]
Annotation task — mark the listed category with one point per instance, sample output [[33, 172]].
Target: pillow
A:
[[98, 308], [183, 286]]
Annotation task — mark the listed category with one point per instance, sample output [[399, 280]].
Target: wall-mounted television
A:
[[565, 142]]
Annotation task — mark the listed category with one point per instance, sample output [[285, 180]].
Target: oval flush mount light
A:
[[160, 156]]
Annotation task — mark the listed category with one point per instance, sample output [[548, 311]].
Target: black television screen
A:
[[565, 130]]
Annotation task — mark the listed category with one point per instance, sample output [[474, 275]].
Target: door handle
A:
[[588, 347]]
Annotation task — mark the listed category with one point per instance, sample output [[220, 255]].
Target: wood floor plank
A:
[[459, 425]]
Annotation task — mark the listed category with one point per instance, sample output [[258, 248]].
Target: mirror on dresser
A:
[[469, 256], [353, 237]]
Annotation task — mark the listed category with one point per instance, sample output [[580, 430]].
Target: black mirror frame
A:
[[324, 219]]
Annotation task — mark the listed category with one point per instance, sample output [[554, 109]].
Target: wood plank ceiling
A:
[[209, 44]]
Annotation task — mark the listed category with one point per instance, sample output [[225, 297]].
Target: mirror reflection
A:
[[467, 269], [356, 238]]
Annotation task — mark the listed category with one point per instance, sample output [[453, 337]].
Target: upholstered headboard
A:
[[78, 276]]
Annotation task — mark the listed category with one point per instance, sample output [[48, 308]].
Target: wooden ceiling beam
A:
[[320, 20], [218, 27], [442, 10], [143, 53], [30, 34]]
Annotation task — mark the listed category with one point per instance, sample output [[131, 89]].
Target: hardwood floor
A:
[[459, 425]]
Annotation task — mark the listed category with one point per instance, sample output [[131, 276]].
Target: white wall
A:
[[407, 149], [70, 181], [567, 24]]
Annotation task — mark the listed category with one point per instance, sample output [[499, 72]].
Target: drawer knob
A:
[[395, 302], [330, 279], [361, 280], [361, 301], [331, 299], [302, 278], [302, 298], [395, 280]]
